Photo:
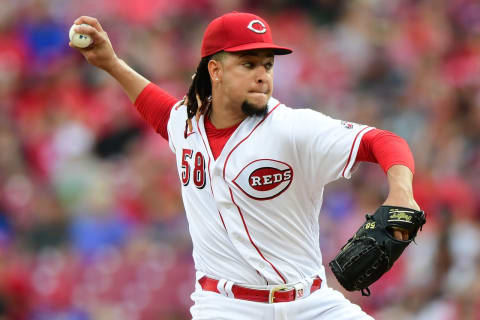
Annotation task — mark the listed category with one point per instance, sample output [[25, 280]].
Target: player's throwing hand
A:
[[100, 53]]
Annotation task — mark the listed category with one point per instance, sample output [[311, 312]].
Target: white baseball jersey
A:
[[253, 212]]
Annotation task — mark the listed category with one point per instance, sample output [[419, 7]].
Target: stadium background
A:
[[91, 220]]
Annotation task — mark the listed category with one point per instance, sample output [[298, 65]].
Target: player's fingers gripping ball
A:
[[79, 40], [373, 249]]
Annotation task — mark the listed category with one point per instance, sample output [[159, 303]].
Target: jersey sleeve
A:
[[386, 149], [154, 105], [327, 147]]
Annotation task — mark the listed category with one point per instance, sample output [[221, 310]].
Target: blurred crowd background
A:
[[91, 220]]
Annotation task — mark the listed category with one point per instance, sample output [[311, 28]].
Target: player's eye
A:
[[248, 65], [269, 65]]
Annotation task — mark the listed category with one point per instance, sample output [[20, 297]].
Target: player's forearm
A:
[[131, 81], [400, 179]]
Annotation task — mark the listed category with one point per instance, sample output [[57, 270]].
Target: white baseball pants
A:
[[323, 304]]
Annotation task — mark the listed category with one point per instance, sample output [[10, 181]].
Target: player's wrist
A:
[[400, 188], [401, 197], [114, 65]]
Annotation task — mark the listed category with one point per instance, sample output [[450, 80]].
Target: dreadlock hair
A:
[[200, 88]]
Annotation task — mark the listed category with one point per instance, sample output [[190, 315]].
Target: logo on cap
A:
[[253, 22]]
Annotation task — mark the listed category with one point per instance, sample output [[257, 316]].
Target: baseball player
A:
[[252, 173]]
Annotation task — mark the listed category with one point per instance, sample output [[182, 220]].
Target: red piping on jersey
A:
[[209, 176], [351, 150], [250, 238], [228, 156], [180, 104], [221, 218], [238, 208]]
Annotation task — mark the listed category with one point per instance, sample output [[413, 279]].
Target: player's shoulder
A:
[[176, 122], [308, 121], [179, 107], [280, 111], [179, 111]]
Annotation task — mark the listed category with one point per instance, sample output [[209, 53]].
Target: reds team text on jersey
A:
[[253, 212]]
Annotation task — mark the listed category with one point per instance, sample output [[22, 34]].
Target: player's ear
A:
[[215, 70]]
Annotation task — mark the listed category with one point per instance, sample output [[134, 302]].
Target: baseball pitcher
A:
[[252, 173]]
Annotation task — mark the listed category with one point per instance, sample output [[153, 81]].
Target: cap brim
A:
[[260, 45]]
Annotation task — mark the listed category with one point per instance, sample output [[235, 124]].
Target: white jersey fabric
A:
[[253, 212]]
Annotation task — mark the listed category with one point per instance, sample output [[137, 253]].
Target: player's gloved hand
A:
[[100, 53], [374, 248]]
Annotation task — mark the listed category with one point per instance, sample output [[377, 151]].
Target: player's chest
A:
[[253, 162]]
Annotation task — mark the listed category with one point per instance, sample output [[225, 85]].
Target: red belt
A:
[[279, 293]]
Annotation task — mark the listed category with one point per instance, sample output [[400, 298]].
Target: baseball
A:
[[79, 40]]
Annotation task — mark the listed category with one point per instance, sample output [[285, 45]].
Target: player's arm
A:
[[372, 248], [153, 103], [101, 55], [400, 187], [392, 153]]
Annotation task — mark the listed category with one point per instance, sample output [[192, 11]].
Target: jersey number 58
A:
[[198, 168]]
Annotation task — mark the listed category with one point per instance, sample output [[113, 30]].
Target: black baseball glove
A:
[[373, 249]]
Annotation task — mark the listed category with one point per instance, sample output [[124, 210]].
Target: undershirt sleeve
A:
[[154, 105], [386, 149]]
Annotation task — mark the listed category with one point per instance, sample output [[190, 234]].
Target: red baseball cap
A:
[[238, 31]]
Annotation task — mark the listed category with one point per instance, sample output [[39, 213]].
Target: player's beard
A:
[[252, 110]]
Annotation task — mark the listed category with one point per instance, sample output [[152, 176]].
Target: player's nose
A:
[[261, 75]]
